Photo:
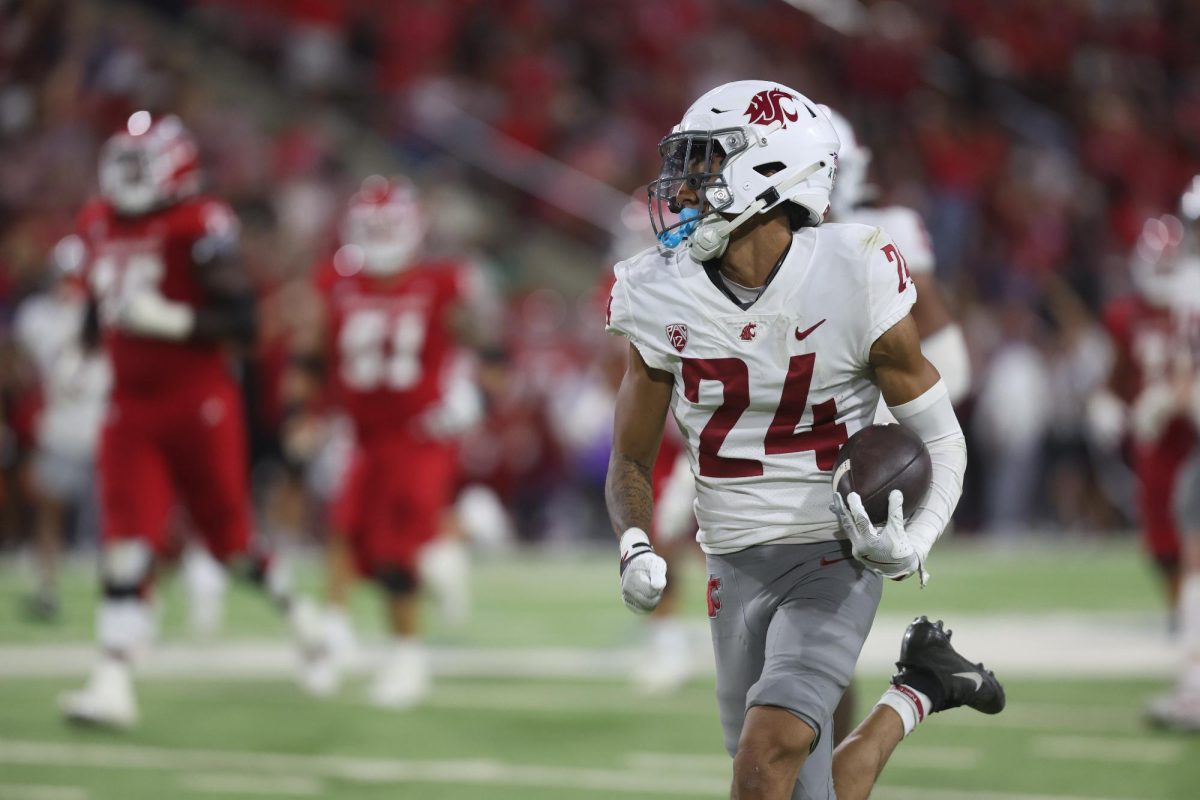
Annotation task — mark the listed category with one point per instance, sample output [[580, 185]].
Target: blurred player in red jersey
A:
[[168, 299], [1158, 373], [1152, 354], [387, 343]]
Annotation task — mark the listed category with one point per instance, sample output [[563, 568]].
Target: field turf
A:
[[1063, 737]]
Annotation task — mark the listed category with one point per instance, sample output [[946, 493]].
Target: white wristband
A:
[[632, 537]]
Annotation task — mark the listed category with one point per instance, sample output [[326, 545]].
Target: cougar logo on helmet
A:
[[767, 107]]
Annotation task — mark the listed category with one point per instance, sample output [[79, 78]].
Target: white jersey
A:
[[765, 397], [906, 229], [74, 384]]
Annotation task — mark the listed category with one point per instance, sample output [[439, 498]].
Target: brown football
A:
[[878, 459]]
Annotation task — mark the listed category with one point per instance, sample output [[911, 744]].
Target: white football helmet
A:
[[150, 164], [854, 162], [1165, 264], [384, 226], [744, 147]]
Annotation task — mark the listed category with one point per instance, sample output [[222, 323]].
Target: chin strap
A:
[[710, 239]]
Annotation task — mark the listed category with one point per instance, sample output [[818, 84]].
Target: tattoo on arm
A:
[[629, 494]]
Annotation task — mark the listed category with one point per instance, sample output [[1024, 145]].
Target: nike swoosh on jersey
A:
[[802, 335], [971, 676], [825, 562]]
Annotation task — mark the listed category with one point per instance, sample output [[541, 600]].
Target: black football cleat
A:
[[929, 662]]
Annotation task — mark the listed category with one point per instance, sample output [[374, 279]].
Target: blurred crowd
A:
[[1034, 137]]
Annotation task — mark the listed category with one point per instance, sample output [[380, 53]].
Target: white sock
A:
[[445, 566], [202, 574], [1189, 634], [668, 635], [407, 644], [339, 632], [124, 626], [408, 650], [911, 705]]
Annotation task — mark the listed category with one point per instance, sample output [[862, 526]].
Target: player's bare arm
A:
[[902, 373], [919, 400], [642, 403]]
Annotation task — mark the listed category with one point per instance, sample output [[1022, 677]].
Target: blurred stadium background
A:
[[1035, 138]]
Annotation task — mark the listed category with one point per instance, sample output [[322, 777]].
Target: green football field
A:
[[533, 700]]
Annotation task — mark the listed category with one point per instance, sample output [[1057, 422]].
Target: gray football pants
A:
[[788, 622]]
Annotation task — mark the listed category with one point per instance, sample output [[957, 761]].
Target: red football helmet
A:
[[385, 224], [150, 164]]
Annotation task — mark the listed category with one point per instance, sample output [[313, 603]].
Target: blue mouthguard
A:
[[690, 218]]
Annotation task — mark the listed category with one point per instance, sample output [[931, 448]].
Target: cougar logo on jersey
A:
[[677, 335], [749, 331], [714, 596], [767, 107]]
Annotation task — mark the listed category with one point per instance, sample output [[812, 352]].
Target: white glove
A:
[[1105, 419], [459, 410], [148, 313], [886, 551], [643, 572]]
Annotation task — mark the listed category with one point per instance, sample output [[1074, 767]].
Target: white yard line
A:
[[242, 785], [561, 699], [1108, 749], [922, 793], [299, 768], [364, 770], [37, 791], [1056, 645], [1041, 718]]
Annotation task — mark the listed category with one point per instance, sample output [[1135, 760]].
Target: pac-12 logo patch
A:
[[714, 596], [677, 335]]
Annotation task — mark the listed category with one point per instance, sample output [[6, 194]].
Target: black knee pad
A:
[[397, 581]]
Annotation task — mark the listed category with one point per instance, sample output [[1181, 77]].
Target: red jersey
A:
[[1150, 342], [1143, 336], [153, 251], [390, 344]]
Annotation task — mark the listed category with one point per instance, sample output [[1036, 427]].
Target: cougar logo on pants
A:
[[714, 596]]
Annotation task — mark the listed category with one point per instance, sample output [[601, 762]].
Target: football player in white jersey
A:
[[942, 341], [770, 338]]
